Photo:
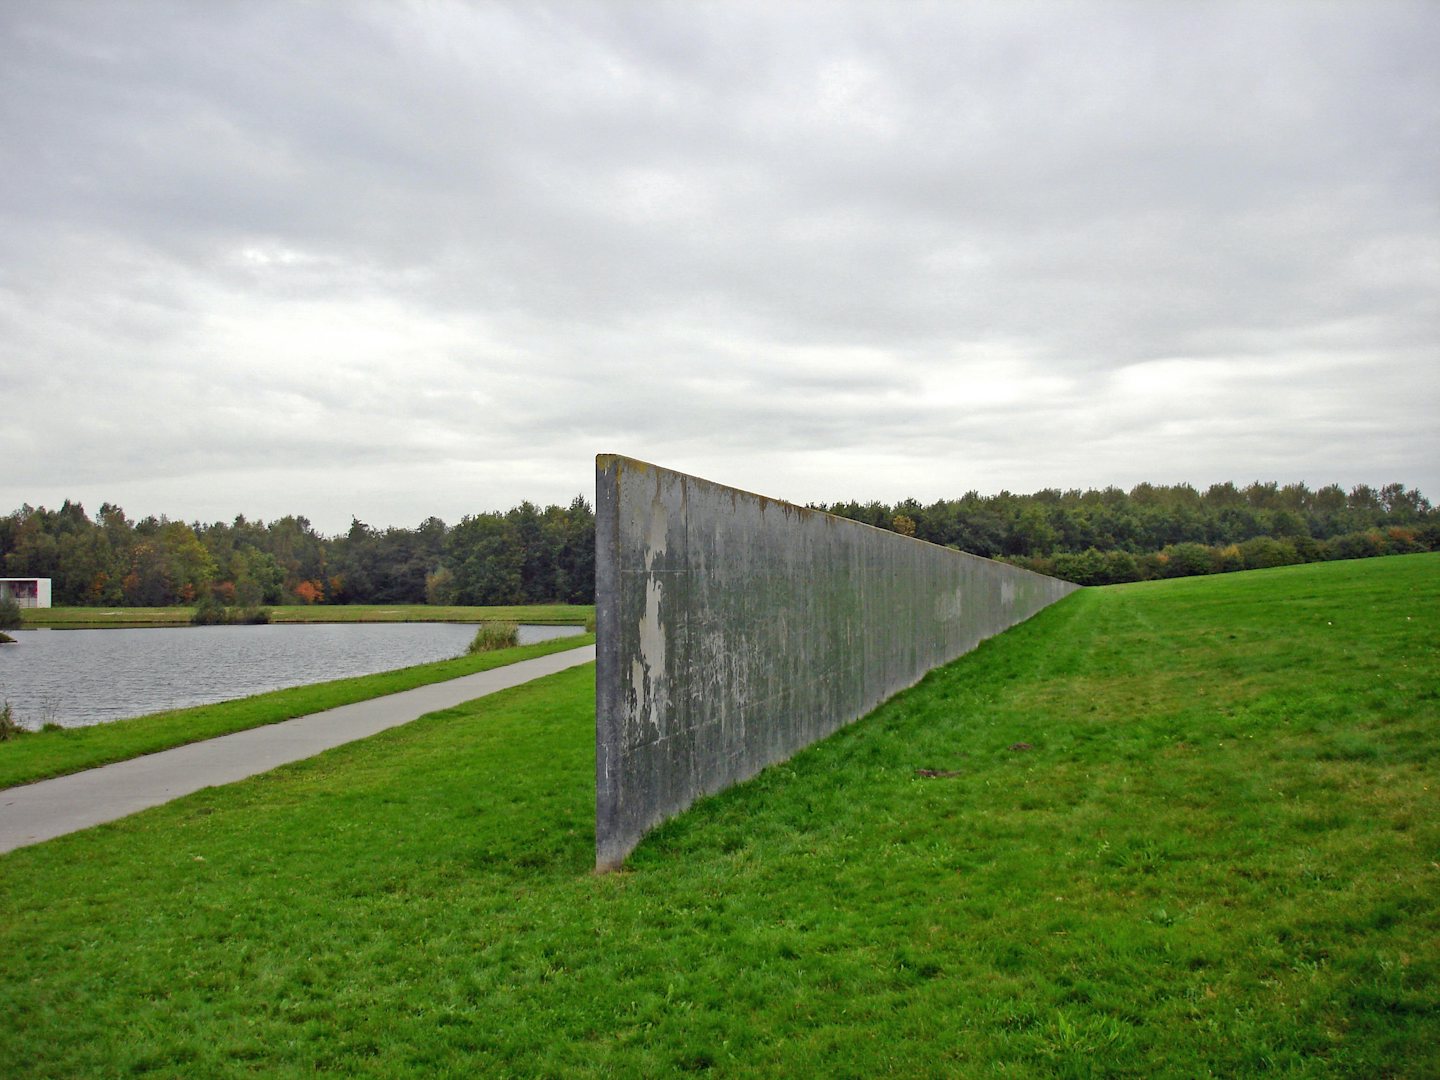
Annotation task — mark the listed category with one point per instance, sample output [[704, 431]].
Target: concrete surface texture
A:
[[49, 808], [735, 630]]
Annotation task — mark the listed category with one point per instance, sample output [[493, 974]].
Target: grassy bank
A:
[[1178, 829], [43, 754], [74, 618]]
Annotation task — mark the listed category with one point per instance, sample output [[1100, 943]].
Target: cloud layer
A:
[[393, 260]]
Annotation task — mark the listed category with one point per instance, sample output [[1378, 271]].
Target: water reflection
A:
[[80, 677]]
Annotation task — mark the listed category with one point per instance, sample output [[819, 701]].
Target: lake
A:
[[79, 677]]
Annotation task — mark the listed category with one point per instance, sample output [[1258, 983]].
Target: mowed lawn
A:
[[1176, 829]]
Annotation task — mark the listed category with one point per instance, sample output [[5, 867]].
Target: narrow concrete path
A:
[[49, 808]]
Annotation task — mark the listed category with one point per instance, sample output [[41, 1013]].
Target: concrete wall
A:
[[735, 630]]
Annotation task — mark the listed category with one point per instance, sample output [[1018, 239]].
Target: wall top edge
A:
[[621, 463], [629, 464]]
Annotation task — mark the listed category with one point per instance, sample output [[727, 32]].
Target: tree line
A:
[[533, 555], [523, 555], [1108, 536]]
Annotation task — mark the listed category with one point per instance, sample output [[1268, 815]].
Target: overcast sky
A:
[[393, 260]]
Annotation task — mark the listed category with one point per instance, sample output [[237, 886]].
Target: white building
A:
[[26, 591]]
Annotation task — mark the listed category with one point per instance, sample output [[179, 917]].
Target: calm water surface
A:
[[80, 677]]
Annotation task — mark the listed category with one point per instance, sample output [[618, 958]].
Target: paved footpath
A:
[[48, 808]]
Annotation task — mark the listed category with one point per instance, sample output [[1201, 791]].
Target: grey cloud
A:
[[238, 236]]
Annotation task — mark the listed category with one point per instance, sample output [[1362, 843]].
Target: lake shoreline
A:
[[41, 755], [87, 676], [100, 618]]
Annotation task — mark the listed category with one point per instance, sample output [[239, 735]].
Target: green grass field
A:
[[1177, 829], [43, 754], [90, 617]]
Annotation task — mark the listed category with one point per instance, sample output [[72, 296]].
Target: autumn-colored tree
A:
[[309, 592]]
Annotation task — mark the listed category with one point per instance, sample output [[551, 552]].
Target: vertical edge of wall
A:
[[610, 851], [734, 630]]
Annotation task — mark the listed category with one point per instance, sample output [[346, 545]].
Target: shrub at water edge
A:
[[492, 636], [9, 727], [212, 612]]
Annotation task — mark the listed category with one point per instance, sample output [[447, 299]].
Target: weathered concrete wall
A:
[[735, 630]]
